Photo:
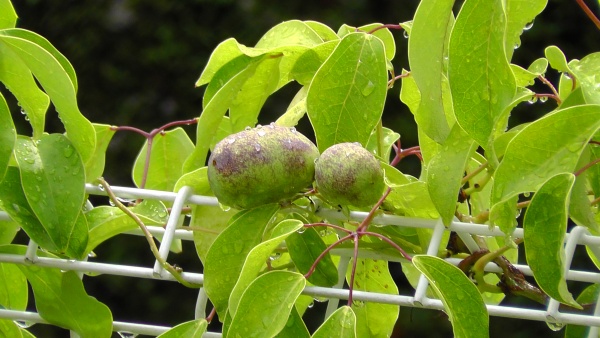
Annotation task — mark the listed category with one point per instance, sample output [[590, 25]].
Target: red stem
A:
[[589, 13], [390, 26], [365, 223], [353, 273], [390, 242], [329, 248], [585, 167]]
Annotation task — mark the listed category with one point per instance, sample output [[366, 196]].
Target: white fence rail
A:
[[578, 236]]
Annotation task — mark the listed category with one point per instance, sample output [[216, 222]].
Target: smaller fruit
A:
[[262, 165], [348, 174]]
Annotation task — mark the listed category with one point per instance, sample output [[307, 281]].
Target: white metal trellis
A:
[[578, 236]]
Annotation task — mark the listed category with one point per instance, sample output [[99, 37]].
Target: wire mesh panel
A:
[[552, 314]]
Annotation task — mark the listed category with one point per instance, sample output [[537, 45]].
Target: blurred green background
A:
[[137, 62]]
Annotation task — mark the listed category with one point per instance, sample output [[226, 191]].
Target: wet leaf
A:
[[192, 329], [94, 167], [304, 248], [341, 324], [8, 136], [13, 287]]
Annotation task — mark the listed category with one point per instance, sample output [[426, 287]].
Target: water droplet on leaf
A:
[[368, 89]]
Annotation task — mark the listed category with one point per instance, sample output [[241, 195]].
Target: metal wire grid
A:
[[578, 236]]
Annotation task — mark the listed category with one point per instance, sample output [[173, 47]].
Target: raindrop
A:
[[24, 323], [101, 187], [526, 194], [553, 324], [261, 133], [247, 128], [358, 303], [258, 126], [528, 26], [238, 247], [543, 99], [405, 34], [532, 100], [274, 256], [310, 306], [301, 230], [272, 125], [368, 89], [517, 45], [293, 129], [257, 146], [231, 140], [92, 255], [68, 151], [127, 334]]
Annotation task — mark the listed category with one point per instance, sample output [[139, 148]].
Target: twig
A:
[[589, 13]]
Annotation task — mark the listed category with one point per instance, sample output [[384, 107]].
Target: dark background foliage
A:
[[137, 62]]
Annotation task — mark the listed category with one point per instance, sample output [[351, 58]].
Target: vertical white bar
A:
[[165, 244], [333, 303], [552, 313], [31, 253], [432, 250], [201, 301]]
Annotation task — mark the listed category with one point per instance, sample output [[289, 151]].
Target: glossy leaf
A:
[[59, 86], [588, 296], [192, 329], [545, 225], [168, 153], [8, 16], [13, 287], [15, 204], [382, 33], [481, 80], [341, 324], [17, 77], [309, 62], [257, 257], [445, 172], [293, 32], [520, 16], [586, 71], [8, 136], [60, 298], [426, 63], [226, 52], [462, 301], [295, 111], [215, 108], [266, 304], [374, 319], [304, 248], [294, 327], [106, 221], [324, 31], [8, 231], [346, 96], [53, 178], [226, 256], [94, 167], [557, 59], [542, 149]]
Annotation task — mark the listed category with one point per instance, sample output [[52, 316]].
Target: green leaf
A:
[[94, 167], [211, 117], [374, 319], [386, 140], [481, 80], [249, 100], [226, 256], [168, 153], [346, 96], [520, 15], [53, 178], [310, 61], [557, 59], [59, 86], [341, 324], [46, 45], [586, 71], [266, 304], [9, 328], [526, 77], [544, 148], [295, 327], [226, 52], [588, 296], [289, 33], [580, 210], [295, 111], [324, 31], [192, 329], [594, 172], [304, 248], [411, 199], [106, 221], [545, 225], [445, 172], [8, 16], [386, 37], [8, 231], [60, 298], [426, 63], [17, 77], [462, 300], [13, 287], [257, 257], [8, 136], [14, 203]]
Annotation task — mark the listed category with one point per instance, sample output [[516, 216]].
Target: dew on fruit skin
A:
[[257, 147], [261, 133], [231, 140], [293, 129], [247, 128]]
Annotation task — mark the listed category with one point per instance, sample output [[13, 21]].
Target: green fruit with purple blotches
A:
[[348, 174], [263, 165]]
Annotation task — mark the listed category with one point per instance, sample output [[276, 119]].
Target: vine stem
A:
[[175, 272], [389, 26], [474, 172], [149, 138], [587, 166], [552, 88], [589, 13]]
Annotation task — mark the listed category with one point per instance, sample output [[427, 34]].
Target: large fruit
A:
[[348, 174], [260, 166]]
